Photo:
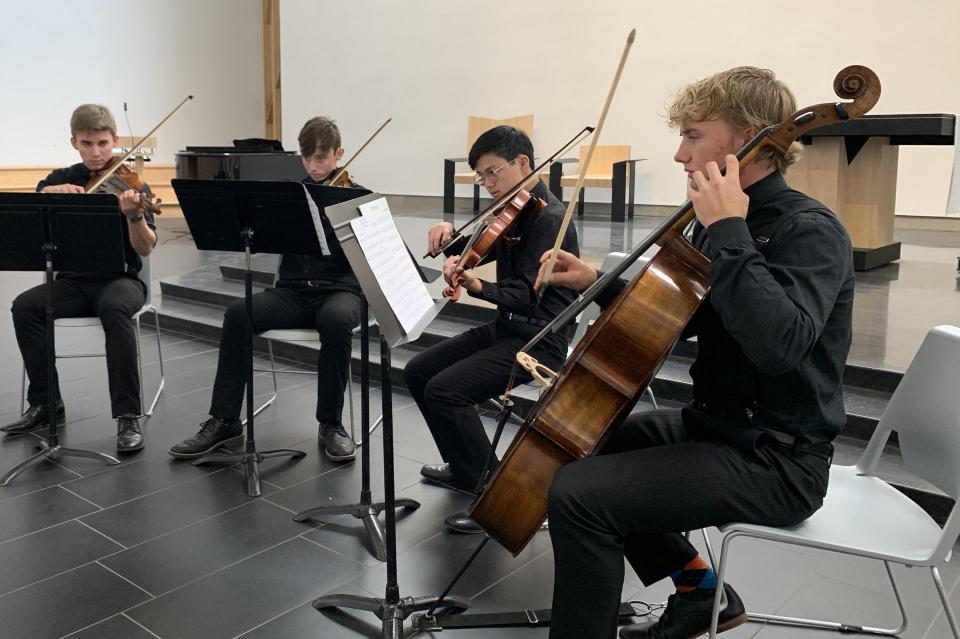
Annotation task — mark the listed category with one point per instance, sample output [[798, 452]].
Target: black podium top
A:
[[902, 129]]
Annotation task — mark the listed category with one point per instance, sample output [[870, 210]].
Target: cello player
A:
[[755, 443]]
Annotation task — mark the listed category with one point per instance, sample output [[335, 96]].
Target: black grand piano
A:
[[251, 159]]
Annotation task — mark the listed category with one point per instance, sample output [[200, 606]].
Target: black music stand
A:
[[253, 217], [391, 609], [366, 510], [58, 232]]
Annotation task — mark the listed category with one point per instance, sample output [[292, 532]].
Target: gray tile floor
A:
[[156, 547]]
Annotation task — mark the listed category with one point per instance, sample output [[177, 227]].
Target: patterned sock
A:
[[697, 575]]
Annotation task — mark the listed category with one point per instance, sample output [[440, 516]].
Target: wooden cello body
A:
[[596, 389], [621, 353]]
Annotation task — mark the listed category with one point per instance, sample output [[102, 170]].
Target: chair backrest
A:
[[604, 157], [925, 412], [478, 125], [592, 312]]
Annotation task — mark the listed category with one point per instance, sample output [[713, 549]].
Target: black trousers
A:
[[333, 311], [658, 476], [111, 298], [449, 378]]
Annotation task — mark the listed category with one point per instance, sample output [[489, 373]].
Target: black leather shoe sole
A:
[[202, 453], [332, 457], [130, 449], [463, 525], [447, 485], [20, 430]]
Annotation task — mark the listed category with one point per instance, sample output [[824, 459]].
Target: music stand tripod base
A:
[[368, 513], [366, 510], [250, 458], [392, 614], [53, 453]]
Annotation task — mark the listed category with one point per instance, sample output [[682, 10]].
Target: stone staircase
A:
[[192, 303]]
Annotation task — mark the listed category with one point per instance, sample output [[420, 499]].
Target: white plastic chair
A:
[[93, 323], [864, 516]]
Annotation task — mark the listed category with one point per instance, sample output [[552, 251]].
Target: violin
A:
[[483, 242], [116, 177], [342, 179], [119, 179]]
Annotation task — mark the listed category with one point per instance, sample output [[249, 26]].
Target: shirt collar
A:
[[763, 190]]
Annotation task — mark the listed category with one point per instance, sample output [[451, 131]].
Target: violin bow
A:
[[586, 162], [359, 151], [103, 178]]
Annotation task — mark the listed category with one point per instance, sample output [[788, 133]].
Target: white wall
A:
[[57, 54], [430, 63]]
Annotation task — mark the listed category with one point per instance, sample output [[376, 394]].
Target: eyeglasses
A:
[[491, 174]]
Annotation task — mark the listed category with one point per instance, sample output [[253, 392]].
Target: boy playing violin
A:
[[112, 297], [312, 291], [449, 378], [754, 445]]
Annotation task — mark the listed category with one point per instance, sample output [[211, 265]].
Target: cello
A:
[[620, 354]]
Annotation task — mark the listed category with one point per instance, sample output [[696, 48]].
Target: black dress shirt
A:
[[79, 175], [774, 331], [302, 271]]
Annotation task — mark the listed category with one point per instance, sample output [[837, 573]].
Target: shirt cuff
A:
[[727, 233], [486, 288]]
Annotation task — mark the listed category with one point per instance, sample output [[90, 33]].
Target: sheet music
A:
[[317, 222], [387, 255]]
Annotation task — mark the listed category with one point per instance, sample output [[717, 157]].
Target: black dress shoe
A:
[[332, 437], [129, 435], [441, 475], [214, 432], [35, 417], [460, 522], [688, 615]]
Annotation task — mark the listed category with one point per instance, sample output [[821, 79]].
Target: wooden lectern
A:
[[852, 168]]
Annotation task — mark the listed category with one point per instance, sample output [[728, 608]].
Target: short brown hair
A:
[[319, 134], [746, 97], [92, 118]]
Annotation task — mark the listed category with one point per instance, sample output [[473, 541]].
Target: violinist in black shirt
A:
[[754, 445], [311, 292], [114, 298], [450, 378]]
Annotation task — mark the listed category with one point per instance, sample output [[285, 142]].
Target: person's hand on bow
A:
[[437, 236], [569, 271]]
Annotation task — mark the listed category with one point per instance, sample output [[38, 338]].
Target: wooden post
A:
[[271, 69]]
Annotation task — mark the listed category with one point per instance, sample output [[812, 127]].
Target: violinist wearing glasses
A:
[[113, 298], [448, 379]]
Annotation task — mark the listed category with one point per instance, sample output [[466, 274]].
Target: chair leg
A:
[[710, 555], [23, 389], [800, 621], [139, 366], [653, 400], [163, 380], [273, 373], [947, 609]]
